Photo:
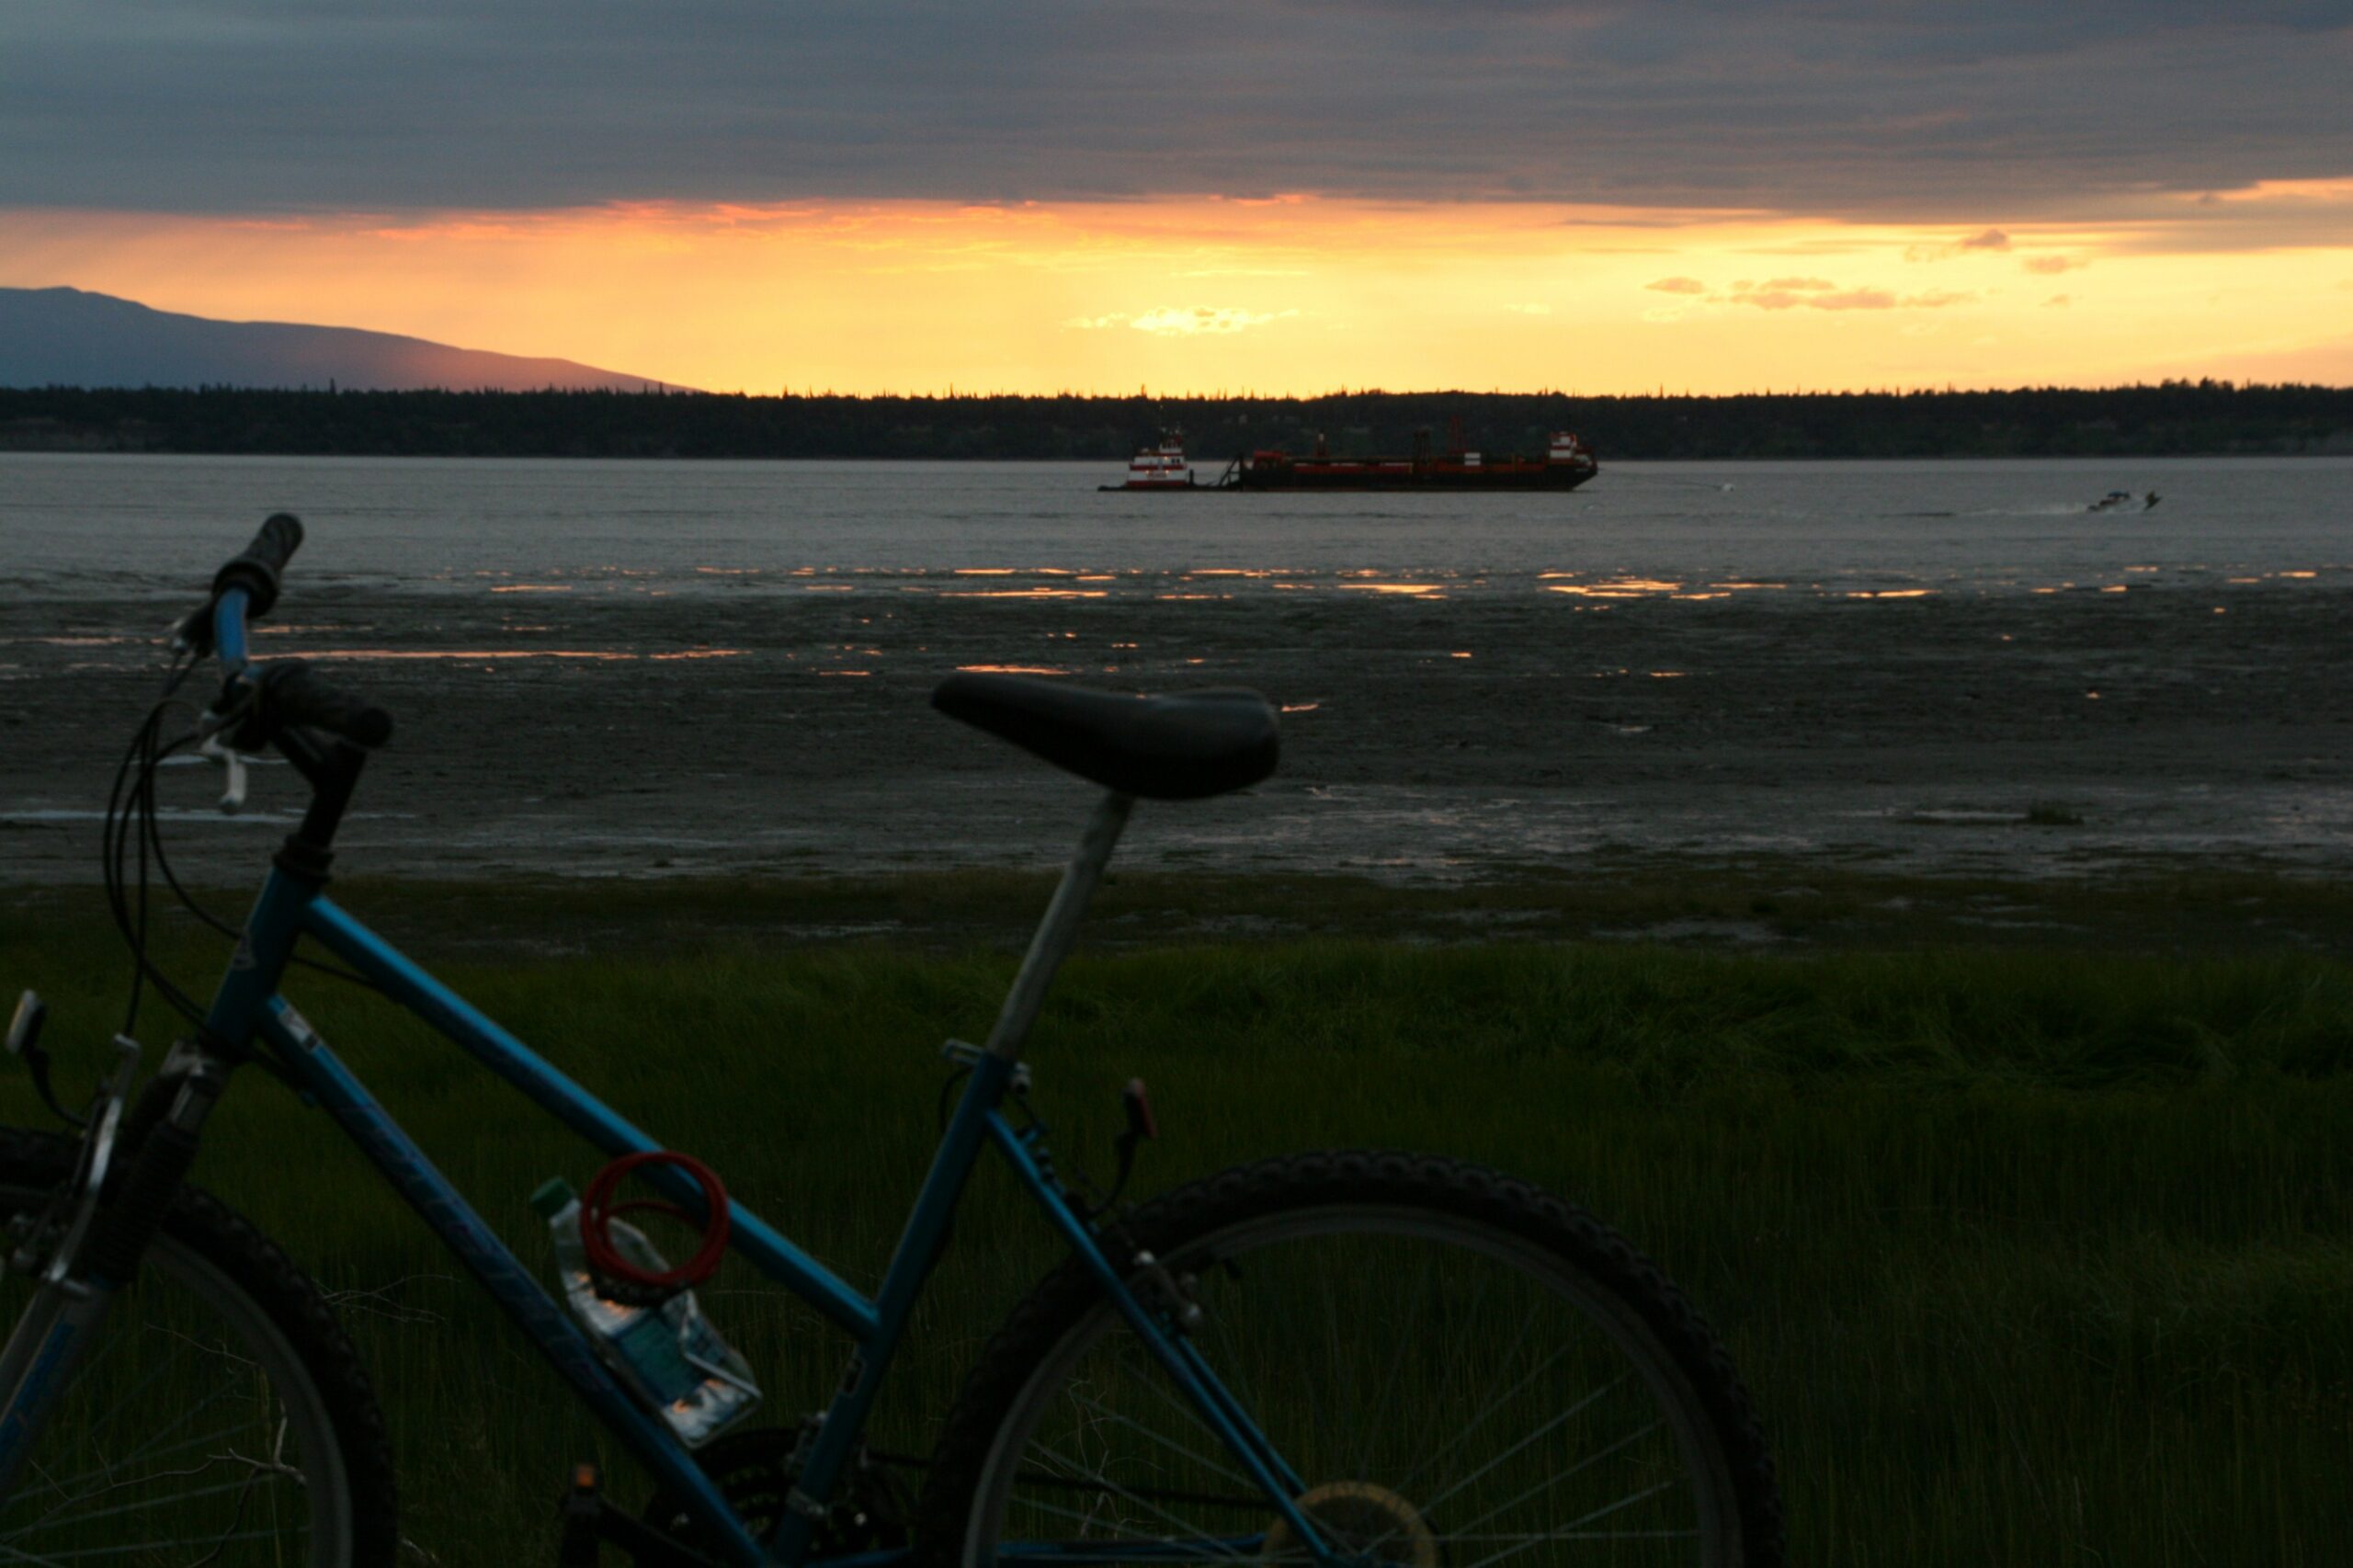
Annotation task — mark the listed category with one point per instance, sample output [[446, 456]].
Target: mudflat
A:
[[1502, 732]]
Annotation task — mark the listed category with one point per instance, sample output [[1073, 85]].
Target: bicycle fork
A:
[[98, 1249]]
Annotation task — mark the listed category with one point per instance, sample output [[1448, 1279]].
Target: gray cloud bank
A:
[[1833, 107]]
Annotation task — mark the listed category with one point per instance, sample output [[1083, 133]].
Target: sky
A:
[[1276, 197]]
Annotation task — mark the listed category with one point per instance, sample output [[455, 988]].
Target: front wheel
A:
[[1456, 1370], [221, 1417]]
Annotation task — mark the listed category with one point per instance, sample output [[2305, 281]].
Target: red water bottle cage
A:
[[598, 1212]]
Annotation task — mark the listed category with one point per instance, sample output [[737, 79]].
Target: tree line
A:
[[2169, 419]]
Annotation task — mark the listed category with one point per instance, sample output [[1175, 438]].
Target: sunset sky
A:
[[1271, 196]]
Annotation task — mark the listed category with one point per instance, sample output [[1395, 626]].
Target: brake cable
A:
[[131, 818], [129, 810], [188, 900]]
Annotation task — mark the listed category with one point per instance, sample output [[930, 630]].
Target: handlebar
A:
[[258, 568], [285, 692], [295, 696]]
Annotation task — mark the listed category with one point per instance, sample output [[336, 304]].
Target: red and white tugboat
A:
[[1159, 468]]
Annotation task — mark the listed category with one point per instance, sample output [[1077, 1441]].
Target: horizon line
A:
[[653, 388]]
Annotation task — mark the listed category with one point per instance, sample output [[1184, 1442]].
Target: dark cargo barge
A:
[[1567, 462]]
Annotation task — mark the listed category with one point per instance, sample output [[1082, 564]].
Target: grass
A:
[[2030, 1256], [1786, 904]]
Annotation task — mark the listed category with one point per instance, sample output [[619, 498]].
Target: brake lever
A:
[[192, 633], [232, 793]]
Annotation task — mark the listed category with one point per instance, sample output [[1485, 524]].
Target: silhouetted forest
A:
[[2175, 418]]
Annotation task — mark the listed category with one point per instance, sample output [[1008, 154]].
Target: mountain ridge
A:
[[75, 337]]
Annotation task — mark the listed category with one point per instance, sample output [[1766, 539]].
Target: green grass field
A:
[[2028, 1257]]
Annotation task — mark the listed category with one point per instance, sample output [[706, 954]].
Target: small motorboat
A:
[[2124, 501]]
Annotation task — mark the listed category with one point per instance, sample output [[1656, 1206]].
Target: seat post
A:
[[1058, 929]]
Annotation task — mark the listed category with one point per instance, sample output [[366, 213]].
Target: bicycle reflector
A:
[[598, 1212]]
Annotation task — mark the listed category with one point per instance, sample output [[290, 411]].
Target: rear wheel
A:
[[1460, 1372], [222, 1417]]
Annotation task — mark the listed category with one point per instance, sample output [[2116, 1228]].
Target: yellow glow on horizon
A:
[[1293, 295]]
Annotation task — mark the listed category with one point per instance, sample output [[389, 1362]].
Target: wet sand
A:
[[1506, 733]]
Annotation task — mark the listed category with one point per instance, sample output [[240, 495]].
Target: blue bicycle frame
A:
[[247, 1010]]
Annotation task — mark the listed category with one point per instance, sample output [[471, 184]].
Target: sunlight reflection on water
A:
[[75, 523]]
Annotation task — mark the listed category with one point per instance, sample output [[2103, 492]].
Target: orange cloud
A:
[[1821, 294], [1983, 240], [1207, 294]]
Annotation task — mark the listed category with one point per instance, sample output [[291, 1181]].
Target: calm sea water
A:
[[118, 526]]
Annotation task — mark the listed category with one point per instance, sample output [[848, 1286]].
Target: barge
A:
[[1566, 464]]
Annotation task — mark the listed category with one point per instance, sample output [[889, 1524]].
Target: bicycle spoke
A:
[[90, 1369], [1452, 1539], [1089, 1520], [188, 1435], [212, 1436], [1156, 1378], [1408, 1381], [1117, 1490], [245, 1484], [1444, 1397], [190, 1413], [1472, 1426], [1370, 1425], [1555, 1424], [1150, 1435], [129, 1548], [1598, 1513], [1578, 1468]]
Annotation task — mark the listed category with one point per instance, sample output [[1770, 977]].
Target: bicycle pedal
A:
[[590, 1524], [1136, 1101], [583, 1511]]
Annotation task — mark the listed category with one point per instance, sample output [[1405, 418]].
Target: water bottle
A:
[[668, 1355]]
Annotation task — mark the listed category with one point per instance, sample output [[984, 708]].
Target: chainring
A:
[[1360, 1520], [754, 1470]]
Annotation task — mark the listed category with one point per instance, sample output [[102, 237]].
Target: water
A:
[[121, 526], [671, 669]]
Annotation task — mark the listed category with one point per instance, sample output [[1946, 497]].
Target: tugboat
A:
[[1160, 468], [1567, 462]]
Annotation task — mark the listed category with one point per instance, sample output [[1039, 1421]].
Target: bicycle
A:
[[1339, 1360]]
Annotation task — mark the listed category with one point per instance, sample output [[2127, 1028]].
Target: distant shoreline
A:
[[2172, 419], [1097, 462]]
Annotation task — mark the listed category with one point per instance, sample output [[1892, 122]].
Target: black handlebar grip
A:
[[257, 570], [295, 696]]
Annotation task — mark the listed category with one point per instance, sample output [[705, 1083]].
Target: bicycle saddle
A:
[[1162, 748]]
